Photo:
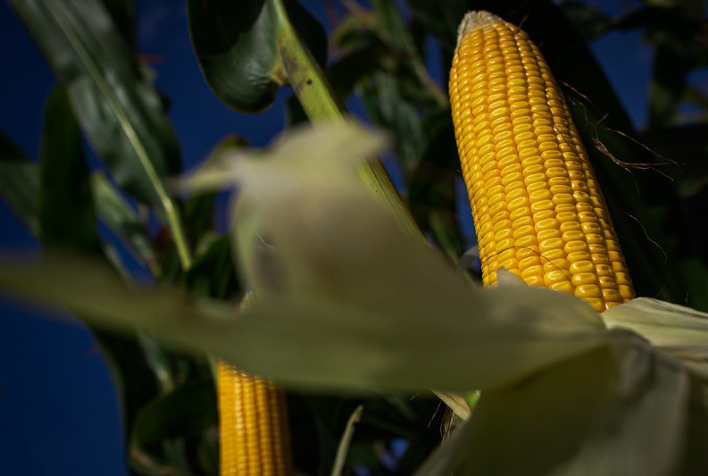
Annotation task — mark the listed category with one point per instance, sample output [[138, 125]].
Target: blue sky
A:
[[58, 411]]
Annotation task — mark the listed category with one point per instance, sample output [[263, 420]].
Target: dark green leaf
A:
[[66, 208], [199, 209], [187, 411], [213, 273], [392, 28], [432, 192], [686, 145], [122, 218], [136, 384], [440, 18], [123, 14], [675, 26], [114, 100], [390, 109], [668, 82], [19, 182], [238, 46], [590, 21], [348, 71]]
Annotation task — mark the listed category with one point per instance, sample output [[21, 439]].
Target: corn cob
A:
[[254, 438], [537, 205]]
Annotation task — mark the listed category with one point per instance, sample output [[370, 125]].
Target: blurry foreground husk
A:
[[344, 281]]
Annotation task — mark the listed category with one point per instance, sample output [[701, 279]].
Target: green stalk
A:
[[315, 94]]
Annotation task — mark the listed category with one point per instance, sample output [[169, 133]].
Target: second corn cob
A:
[[254, 436], [537, 205], [253, 425]]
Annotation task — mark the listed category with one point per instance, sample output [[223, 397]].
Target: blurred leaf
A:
[[199, 209], [676, 32], [213, 272], [357, 65], [239, 46], [356, 29], [123, 14], [490, 337], [432, 193], [189, 410], [116, 104], [440, 18], [19, 182], [695, 6], [674, 26], [161, 361], [66, 208], [121, 218], [390, 110], [392, 28], [135, 381], [667, 85], [686, 145], [589, 20], [334, 273], [600, 413]]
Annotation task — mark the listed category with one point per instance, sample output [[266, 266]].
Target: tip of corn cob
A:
[[475, 19]]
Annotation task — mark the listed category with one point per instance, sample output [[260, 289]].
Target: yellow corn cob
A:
[[537, 205], [254, 438]]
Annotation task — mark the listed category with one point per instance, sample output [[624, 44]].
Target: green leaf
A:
[[66, 209], [199, 210], [440, 18], [391, 110], [346, 72], [19, 182], [245, 57], [189, 410], [135, 381], [213, 273], [115, 102], [613, 411], [118, 214], [667, 85], [123, 14], [118, 109], [687, 146], [589, 20], [240, 46]]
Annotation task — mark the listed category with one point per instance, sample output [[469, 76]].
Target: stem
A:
[[315, 94]]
